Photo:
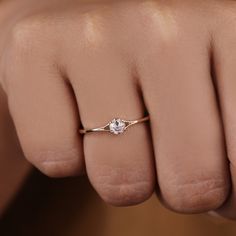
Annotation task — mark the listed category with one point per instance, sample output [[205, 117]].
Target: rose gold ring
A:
[[116, 126]]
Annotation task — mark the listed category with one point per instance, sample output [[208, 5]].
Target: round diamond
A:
[[117, 126]]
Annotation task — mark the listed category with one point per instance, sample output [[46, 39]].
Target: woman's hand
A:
[[67, 64]]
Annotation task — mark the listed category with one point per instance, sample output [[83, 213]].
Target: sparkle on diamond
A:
[[117, 126]]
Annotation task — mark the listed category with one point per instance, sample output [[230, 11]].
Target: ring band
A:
[[116, 126]]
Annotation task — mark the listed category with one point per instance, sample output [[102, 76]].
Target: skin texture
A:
[[67, 64]]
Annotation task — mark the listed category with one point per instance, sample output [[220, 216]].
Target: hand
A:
[[67, 64]]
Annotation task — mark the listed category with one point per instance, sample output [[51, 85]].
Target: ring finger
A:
[[120, 167]]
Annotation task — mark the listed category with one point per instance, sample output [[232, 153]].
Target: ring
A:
[[116, 126]]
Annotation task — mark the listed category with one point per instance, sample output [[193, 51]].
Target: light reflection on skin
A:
[[92, 31], [163, 18]]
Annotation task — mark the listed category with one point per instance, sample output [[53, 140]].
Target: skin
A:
[[66, 64], [11, 158]]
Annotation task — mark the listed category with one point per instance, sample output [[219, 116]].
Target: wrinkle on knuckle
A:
[[60, 163], [125, 194], [122, 187], [196, 195]]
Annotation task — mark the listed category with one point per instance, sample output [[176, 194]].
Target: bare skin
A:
[[67, 64], [13, 167]]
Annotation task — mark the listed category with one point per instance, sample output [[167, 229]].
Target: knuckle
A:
[[195, 195], [58, 168], [57, 164], [225, 27], [126, 194], [32, 36], [24, 34], [161, 22], [120, 188], [29, 42], [92, 30]]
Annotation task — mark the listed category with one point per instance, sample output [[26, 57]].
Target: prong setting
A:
[[117, 126]]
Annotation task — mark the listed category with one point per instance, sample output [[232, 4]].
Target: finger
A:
[[120, 167], [225, 71], [186, 129], [42, 106]]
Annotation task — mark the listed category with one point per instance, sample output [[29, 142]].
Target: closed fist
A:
[[71, 64]]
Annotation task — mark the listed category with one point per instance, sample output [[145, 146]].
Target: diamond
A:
[[117, 126]]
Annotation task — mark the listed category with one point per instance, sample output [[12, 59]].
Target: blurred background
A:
[[32, 204], [70, 207]]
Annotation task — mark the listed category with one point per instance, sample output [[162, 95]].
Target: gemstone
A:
[[117, 126]]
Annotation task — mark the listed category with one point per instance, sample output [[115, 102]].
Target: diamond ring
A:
[[116, 126]]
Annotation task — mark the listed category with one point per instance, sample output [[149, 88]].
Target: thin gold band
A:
[[116, 126]]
